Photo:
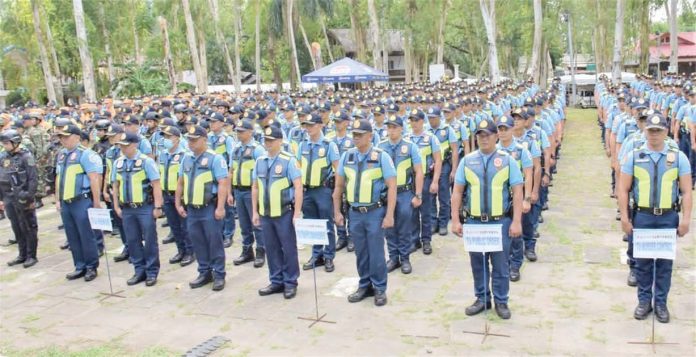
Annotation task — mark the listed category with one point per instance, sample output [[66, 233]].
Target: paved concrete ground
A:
[[573, 301]]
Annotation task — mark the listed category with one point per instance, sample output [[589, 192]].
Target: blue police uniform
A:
[[488, 180], [365, 190], [274, 177], [244, 158], [343, 144], [223, 144], [427, 145], [200, 175], [72, 169], [134, 176], [655, 195], [405, 155], [446, 136], [111, 155], [169, 164], [316, 160]]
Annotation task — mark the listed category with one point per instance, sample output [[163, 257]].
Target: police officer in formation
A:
[[18, 183]]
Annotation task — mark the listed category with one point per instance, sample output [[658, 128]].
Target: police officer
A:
[[657, 174], [243, 160], [449, 146], [18, 182], [409, 187], [318, 158], [488, 175], [277, 186], [114, 152], [367, 175], [135, 180], [171, 155], [431, 163], [132, 125], [78, 188], [223, 144], [344, 142], [203, 177]]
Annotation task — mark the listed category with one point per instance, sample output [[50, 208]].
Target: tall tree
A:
[[215, 12], [295, 76], [375, 40], [357, 31], [85, 55], [257, 50], [201, 81], [57, 77], [441, 32], [45, 65], [136, 35], [237, 24], [203, 53], [107, 47], [536, 47], [673, 36], [488, 13], [618, 41], [644, 41], [168, 53]]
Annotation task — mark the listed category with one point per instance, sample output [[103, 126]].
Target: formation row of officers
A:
[[403, 181]]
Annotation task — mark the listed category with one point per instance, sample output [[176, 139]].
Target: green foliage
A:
[[150, 78], [19, 96]]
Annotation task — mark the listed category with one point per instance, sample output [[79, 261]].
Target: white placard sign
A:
[[311, 231], [655, 243], [99, 219], [483, 238]]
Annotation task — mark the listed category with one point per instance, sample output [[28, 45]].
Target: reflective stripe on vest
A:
[[487, 183], [360, 181], [72, 173], [198, 180], [133, 181], [274, 185], [243, 165], [170, 172], [654, 183], [401, 156], [315, 171]]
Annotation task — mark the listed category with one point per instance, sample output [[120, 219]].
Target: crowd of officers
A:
[[393, 163], [648, 129]]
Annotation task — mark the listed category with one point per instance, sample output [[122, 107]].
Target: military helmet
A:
[[102, 124], [11, 135]]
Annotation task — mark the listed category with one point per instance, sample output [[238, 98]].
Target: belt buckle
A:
[[362, 209], [657, 211], [484, 218]]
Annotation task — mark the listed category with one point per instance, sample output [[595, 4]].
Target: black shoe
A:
[[427, 248], [477, 307], [443, 230], [661, 313], [227, 242], [406, 267], [169, 239], [380, 298], [11, 241], [329, 265], [135, 279], [360, 294], [642, 311], [165, 224], [38, 204], [121, 257], [61, 227], [514, 274], [218, 284], [530, 254], [632, 279], [65, 245], [340, 244], [290, 292], [75, 275], [15, 261], [503, 311], [90, 274], [260, 257], [434, 229], [176, 258], [392, 265], [545, 207], [536, 234], [246, 256], [618, 216], [271, 289], [416, 246], [115, 233], [186, 260], [541, 219], [150, 281], [201, 280], [30, 262], [313, 262], [100, 252], [351, 245]]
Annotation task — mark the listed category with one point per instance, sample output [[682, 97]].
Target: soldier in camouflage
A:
[[40, 140]]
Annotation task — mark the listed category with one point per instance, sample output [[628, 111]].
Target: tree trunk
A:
[[274, 63], [357, 31], [45, 65], [306, 42], [107, 48], [536, 47], [295, 76], [203, 53], [488, 12], [215, 12], [644, 61], [193, 48], [441, 33], [618, 42], [257, 54], [407, 58], [85, 56], [136, 36], [57, 77], [168, 54], [375, 35], [673, 37], [601, 38], [326, 37], [236, 17]]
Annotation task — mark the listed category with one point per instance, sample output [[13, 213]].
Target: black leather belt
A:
[[283, 210], [78, 197], [169, 193], [403, 188], [485, 218], [134, 205], [241, 188], [365, 209], [212, 202], [654, 211]]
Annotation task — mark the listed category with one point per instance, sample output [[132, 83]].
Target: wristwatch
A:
[[158, 208], [528, 199], [419, 196]]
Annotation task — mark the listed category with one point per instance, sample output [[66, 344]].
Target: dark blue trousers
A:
[[83, 243], [399, 237], [317, 204], [281, 249], [249, 232], [141, 228], [206, 233], [496, 265], [178, 226], [368, 236]]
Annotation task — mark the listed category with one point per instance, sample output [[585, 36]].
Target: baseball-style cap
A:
[[196, 131], [171, 131], [153, 115], [311, 119], [115, 129], [505, 121], [519, 112], [487, 126], [362, 126], [433, 112], [416, 114], [392, 108], [68, 130], [341, 116], [217, 117], [657, 121], [128, 138], [272, 132], [244, 125], [132, 119], [395, 120]]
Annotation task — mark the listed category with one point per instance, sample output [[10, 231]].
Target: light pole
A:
[[565, 17]]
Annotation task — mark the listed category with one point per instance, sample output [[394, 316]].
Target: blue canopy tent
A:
[[345, 70]]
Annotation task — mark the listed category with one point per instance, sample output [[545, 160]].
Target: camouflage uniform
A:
[[40, 140]]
